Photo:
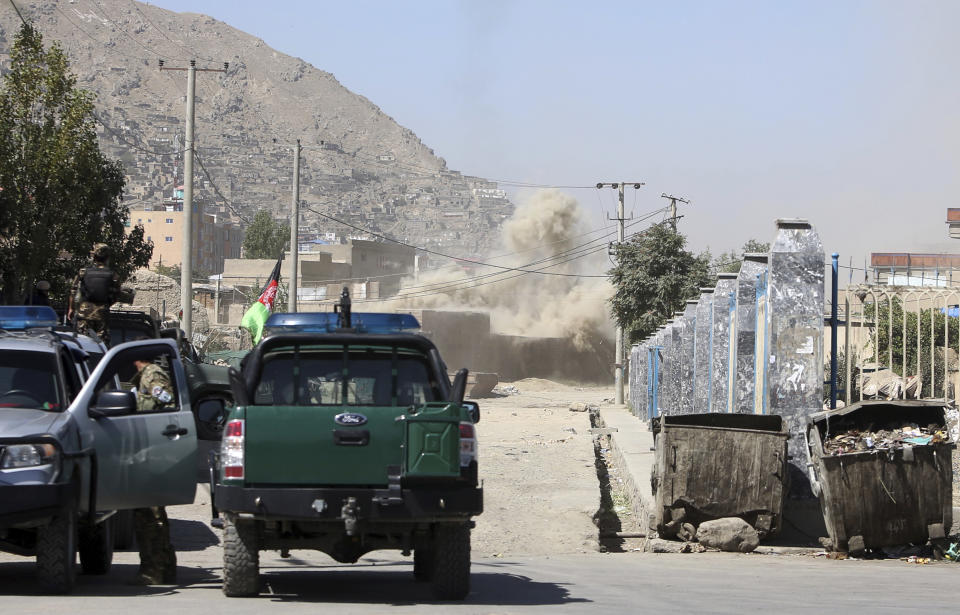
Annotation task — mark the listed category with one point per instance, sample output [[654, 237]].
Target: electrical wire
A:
[[123, 139], [13, 4], [191, 51], [434, 252], [216, 189], [124, 32]]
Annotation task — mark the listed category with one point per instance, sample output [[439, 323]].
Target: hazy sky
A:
[[843, 112]]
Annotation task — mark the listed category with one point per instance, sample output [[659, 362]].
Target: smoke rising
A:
[[546, 232]]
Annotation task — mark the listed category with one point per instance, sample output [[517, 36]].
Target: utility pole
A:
[[673, 207], [294, 230], [186, 262], [618, 367]]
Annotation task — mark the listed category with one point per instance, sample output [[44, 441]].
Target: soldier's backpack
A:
[[97, 286]]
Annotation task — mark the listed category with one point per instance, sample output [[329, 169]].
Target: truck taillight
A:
[[468, 444], [231, 451]]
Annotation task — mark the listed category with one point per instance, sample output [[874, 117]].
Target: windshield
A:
[[311, 378], [30, 380]]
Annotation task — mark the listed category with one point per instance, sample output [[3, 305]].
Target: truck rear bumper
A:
[[327, 504]]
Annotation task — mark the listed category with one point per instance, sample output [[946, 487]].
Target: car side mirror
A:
[[473, 409], [113, 403], [459, 389]]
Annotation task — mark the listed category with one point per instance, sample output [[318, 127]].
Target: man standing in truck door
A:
[[158, 560], [92, 293]]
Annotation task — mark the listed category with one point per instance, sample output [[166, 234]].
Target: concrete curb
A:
[[631, 445]]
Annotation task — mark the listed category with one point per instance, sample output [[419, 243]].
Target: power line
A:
[[450, 256], [125, 141], [24, 21], [192, 51], [216, 190], [125, 33]]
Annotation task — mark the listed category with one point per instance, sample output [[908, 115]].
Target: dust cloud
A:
[[546, 233]]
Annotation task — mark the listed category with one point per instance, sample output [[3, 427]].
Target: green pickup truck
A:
[[347, 437]]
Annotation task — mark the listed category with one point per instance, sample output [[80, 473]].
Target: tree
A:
[[729, 262], [653, 278], [265, 237], [59, 194], [916, 363]]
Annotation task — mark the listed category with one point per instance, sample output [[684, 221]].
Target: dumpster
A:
[[883, 473], [710, 466]]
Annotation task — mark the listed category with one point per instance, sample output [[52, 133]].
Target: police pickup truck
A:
[[347, 437], [73, 448]]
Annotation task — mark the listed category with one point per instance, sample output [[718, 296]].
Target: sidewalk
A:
[[632, 446]]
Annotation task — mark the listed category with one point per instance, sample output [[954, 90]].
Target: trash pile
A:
[[892, 437]]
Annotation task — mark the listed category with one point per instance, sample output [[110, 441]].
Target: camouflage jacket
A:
[[154, 391], [89, 310]]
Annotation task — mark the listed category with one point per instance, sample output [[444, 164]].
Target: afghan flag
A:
[[258, 313]]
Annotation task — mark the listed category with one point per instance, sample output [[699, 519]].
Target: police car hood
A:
[[16, 422]]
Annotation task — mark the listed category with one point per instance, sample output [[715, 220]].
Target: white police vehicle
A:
[[73, 448]]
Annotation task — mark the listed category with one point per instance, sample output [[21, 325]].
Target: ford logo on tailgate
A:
[[350, 418]]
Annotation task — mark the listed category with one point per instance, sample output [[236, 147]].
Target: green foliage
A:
[[729, 262], [653, 278], [58, 193], [265, 237], [169, 271], [842, 377], [881, 336]]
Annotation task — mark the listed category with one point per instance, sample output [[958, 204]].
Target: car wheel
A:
[[422, 564], [241, 559], [451, 561], [96, 547], [57, 552]]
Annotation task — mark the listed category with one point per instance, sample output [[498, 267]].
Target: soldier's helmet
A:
[[100, 252]]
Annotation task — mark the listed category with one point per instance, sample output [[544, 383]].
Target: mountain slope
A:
[[358, 164]]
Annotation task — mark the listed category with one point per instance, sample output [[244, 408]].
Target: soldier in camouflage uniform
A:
[[158, 560], [92, 293]]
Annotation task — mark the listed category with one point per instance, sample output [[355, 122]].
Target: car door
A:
[[144, 458]]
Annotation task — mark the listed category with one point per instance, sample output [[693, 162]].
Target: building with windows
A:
[[214, 240]]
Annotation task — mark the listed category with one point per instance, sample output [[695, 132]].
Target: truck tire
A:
[[123, 534], [422, 564], [451, 561], [96, 547], [241, 559], [57, 552]]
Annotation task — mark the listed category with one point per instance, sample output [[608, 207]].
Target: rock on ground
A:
[[728, 534]]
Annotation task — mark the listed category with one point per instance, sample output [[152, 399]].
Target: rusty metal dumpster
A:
[[883, 473], [710, 466]]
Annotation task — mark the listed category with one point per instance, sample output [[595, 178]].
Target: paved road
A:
[[621, 583], [587, 583]]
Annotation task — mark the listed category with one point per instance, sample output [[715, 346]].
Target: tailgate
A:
[[304, 445]]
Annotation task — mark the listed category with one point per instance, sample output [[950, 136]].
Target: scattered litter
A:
[[570, 429], [582, 407], [953, 553], [507, 389], [895, 435], [913, 559]]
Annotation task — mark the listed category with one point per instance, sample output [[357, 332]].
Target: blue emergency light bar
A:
[[328, 322], [20, 317]]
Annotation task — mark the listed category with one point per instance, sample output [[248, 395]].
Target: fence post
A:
[[834, 266], [746, 328], [701, 392], [719, 395], [795, 371]]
